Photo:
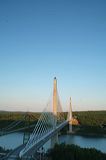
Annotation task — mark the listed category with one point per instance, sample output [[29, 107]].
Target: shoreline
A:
[[87, 134]]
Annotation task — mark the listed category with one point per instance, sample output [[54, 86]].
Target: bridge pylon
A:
[[55, 97], [54, 139], [70, 117]]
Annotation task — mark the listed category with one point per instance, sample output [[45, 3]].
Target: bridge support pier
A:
[[70, 128]]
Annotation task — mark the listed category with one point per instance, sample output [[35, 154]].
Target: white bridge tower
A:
[[70, 117], [54, 139]]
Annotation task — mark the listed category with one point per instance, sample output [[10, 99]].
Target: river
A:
[[13, 140]]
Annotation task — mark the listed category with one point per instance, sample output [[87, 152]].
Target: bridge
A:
[[50, 122]]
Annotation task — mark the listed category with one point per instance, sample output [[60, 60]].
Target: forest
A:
[[91, 118], [74, 152], [89, 121]]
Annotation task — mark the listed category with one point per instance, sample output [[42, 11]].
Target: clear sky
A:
[[40, 39]]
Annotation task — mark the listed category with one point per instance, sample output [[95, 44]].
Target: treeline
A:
[[11, 116], [91, 118], [86, 118], [73, 152], [7, 118]]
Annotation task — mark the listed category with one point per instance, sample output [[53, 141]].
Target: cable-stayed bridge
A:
[[51, 121]]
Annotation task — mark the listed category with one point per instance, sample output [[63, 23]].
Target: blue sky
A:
[[46, 38]]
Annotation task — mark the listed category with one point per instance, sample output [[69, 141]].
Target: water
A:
[[85, 142], [13, 140]]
